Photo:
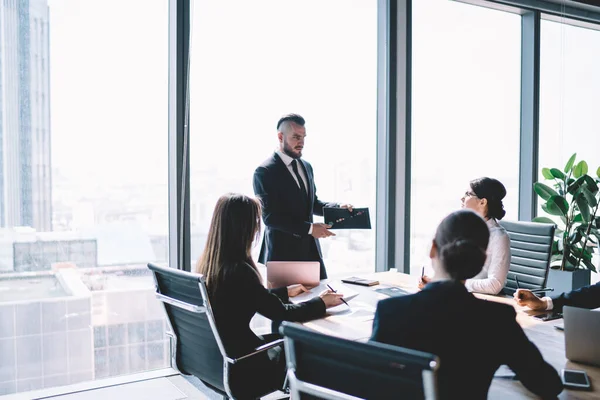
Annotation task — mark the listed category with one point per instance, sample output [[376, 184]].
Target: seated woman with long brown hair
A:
[[236, 290]]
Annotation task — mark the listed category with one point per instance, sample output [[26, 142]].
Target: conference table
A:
[[356, 322]]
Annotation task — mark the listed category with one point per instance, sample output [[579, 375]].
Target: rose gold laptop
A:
[[284, 273]]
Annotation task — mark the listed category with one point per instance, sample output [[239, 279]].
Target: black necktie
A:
[[300, 181]]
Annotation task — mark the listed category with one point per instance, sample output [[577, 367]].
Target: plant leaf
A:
[[577, 218], [582, 228], [548, 175], [543, 220], [552, 210], [598, 172], [570, 163], [586, 255], [589, 196], [571, 262], [557, 173], [584, 208], [557, 205], [591, 184], [580, 169], [574, 187], [544, 191], [575, 237], [589, 265]]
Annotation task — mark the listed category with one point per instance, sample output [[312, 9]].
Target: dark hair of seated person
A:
[[234, 226], [493, 191], [461, 240]]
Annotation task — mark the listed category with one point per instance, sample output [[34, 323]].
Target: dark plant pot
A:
[[565, 281]]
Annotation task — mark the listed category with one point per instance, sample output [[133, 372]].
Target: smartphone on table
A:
[[550, 316], [574, 378]]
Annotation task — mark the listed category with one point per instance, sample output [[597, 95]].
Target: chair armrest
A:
[[258, 350], [172, 338]]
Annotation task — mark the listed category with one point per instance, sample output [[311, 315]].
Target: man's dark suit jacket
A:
[[586, 297], [472, 338], [287, 213]]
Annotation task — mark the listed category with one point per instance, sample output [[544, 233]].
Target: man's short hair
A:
[[290, 118]]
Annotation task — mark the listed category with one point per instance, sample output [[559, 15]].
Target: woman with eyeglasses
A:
[[485, 198], [236, 293]]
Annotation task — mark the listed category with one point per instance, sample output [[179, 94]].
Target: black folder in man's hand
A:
[[341, 218]]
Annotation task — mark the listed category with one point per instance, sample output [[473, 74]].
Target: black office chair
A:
[[531, 249], [327, 367], [196, 346]]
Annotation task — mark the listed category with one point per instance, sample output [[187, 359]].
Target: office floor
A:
[[213, 396], [174, 387]]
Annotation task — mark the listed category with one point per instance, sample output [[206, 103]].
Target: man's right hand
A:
[[524, 297], [320, 231]]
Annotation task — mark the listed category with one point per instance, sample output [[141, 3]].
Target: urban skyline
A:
[[25, 156]]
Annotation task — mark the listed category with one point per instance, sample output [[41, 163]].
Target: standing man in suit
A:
[[285, 184]]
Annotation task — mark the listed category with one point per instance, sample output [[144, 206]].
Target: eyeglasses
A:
[[470, 194]]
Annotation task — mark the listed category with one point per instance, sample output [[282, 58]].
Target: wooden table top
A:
[[549, 340]]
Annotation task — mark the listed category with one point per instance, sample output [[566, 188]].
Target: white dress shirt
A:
[[492, 277], [287, 160]]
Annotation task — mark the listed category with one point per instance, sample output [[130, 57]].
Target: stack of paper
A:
[[337, 286]]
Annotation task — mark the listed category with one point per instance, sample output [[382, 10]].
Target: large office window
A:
[[569, 95], [83, 182], [251, 63], [465, 120]]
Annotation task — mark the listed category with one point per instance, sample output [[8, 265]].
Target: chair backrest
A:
[[332, 368], [198, 350], [531, 249]]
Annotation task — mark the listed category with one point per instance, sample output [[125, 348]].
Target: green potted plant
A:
[[571, 201]]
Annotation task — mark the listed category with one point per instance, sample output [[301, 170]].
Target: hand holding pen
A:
[[528, 298], [334, 291], [534, 291], [331, 299], [424, 279]]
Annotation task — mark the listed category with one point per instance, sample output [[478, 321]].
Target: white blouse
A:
[[492, 277]]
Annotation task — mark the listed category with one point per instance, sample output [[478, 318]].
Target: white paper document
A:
[[337, 286], [356, 312]]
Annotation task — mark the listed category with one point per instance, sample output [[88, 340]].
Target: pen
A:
[[536, 291], [330, 288], [518, 286], [422, 272]]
